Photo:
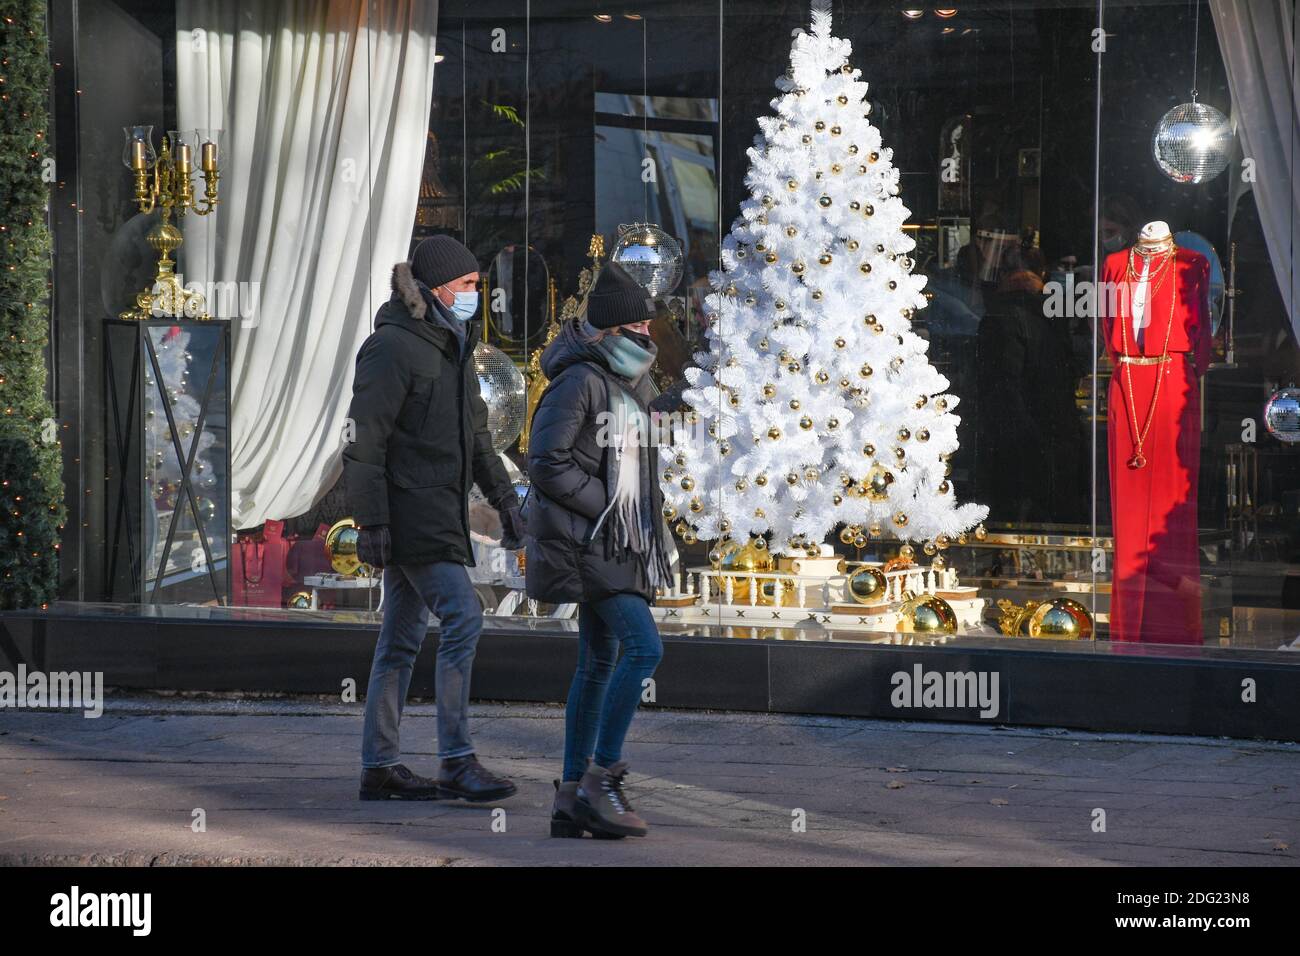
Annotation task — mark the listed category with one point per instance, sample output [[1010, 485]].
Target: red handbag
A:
[[260, 566]]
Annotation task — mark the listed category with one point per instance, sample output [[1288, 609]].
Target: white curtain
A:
[[324, 106], [1257, 39]]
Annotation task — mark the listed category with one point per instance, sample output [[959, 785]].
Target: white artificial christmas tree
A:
[[816, 406]]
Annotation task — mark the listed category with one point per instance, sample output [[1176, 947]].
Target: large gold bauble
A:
[[341, 547], [877, 483], [1062, 619], [747, 559], [927, 614], [777, 592], [867, 585]]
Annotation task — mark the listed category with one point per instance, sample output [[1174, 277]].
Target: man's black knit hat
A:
[[617, 299], [439, 259]]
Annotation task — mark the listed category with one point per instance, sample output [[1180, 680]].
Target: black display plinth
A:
[[168, 460]]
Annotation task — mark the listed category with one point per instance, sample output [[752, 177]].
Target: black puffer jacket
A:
[[571, 482], [421, 430]]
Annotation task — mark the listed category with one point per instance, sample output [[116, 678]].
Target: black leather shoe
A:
[[396, 783], [464, 778]]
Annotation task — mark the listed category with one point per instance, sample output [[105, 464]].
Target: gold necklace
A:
[[1139, 459]]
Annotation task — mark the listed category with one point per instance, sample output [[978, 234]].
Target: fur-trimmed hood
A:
[[407, 289]]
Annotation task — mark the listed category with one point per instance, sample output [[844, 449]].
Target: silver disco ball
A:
[[502, 386], [1192, 143], [1282, 415], [650, 256]]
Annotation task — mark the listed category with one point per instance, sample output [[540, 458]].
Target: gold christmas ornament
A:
[[824, 202], [874, 157], [770, 257], [797, 267], [860, 541], [938, 563], [769, 391], [805, 423], [792, 478], [927, 614], [867, 585], [980, 533], [840, 343], [877, 483], [842, 100], [777, 592], [341, 547], [825, 258], [865, 268], [689, 537], [1061, 619], [944, 487], [774, 433], [794, 404], [819, 126], [688, 483], [811, 474], [869, 449], [868, 210], [846, 535], [696, 505], [768, 201], [865, 371], [930, 549], [741, 484], [904, 434], [832, 423], [760, 480], [791, 185], [822, 377], [835, 131]]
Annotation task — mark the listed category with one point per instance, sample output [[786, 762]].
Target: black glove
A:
[[374, 545], [513, 529]]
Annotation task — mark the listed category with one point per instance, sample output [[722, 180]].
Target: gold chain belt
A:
[[1144, 359]]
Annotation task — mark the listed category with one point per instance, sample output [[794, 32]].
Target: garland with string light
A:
[[31, 487]]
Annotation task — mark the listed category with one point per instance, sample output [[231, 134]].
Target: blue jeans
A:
[[410, 593], [603, 697]]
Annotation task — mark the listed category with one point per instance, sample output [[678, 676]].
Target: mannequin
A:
[[1158, 330]]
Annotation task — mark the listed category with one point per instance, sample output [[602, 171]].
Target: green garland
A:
[[31, 485]]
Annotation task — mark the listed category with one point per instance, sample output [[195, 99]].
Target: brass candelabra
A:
[[165, 181]]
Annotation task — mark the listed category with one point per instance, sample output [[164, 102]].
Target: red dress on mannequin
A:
[[1156, 590]]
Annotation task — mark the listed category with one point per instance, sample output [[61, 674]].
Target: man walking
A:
[[420, 440]]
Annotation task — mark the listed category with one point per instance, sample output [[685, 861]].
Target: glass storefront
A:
[[1134, 445]]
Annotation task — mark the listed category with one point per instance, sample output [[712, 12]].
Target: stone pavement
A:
[[277, 781]]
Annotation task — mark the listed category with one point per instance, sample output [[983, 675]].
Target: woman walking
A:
[[597, 538]]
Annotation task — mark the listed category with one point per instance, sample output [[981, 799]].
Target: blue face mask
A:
[[464, 305]]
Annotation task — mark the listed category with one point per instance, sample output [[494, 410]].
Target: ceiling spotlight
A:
[[946, 30], [604, 17], [438, 58], [913, 13], [632, 16], [945, 13]]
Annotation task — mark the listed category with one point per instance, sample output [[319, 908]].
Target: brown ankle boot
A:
[[602, 807], [564, 814]]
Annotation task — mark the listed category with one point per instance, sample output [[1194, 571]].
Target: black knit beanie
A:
[[439, 259], [617, 299]]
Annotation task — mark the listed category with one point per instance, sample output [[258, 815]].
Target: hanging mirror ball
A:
[[650, 256], [1282, 415], [504, 393], [1192, 143]]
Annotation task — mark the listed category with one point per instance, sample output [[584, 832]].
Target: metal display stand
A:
[[167, 414]]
